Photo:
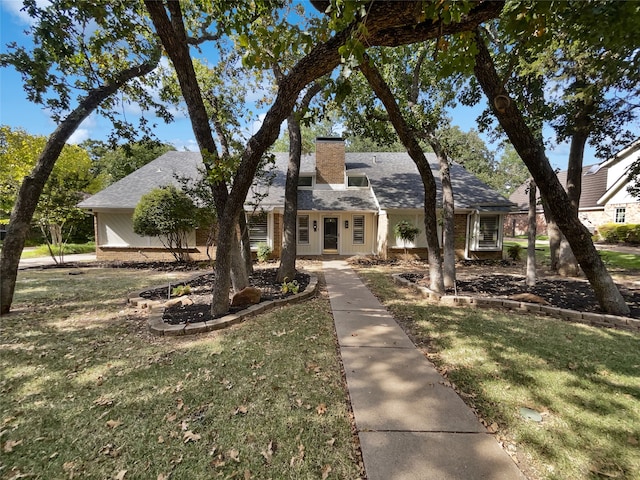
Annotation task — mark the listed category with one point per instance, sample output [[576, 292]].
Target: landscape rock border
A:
[[158, 326], [589, 318]]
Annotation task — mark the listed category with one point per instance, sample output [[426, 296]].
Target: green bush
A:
[[405, 231], [264, 252], [514, 251], [169, 214], [617, 233]]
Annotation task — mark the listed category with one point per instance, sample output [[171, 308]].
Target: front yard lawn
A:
[[88, 393], [584, 381]]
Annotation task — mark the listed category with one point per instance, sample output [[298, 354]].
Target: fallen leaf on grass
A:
[[322, 409], [326, 470], [10, 444], [268, 453], [234, 454], [180, 404], [120, 475], [113, 423], [162, 476], [189, 436], [103, 401], [241, 410], [160, 439], [330, 442]]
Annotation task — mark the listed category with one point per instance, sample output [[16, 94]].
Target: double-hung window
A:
[[303, 229], [358, 229], [488, 232], [621, 214], [258, 229]]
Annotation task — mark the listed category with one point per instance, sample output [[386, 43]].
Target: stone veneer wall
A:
[[330, 166]]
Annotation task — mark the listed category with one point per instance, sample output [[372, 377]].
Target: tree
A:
[[68, 59], [532, 152], [531, 243], [56, 212], [405, 231], [169, 214], [510, 172], [388, 23], [113, 164]]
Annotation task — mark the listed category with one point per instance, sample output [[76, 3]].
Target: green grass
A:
[[88, 393], [69, 249], [613, 260], [585, 381]]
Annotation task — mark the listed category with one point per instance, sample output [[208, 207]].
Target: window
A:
[[358, 229], [258, 229], [359, 181], [303, 229], [488, 232], [305, 181], [621, 214]]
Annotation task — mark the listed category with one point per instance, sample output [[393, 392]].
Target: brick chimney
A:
[[329, 161]]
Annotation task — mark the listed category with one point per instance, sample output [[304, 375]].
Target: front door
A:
[[331, 233]]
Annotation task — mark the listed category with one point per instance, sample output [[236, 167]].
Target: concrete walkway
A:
[[411, 426], [44, 261]]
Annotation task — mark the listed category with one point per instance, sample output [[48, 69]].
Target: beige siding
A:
[[116, 230], [345, 235]]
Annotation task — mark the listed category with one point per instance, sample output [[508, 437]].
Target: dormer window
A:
[[357, 181], [305, 181]]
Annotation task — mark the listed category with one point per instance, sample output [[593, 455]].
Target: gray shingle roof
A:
[[127, 192], [393, 177]]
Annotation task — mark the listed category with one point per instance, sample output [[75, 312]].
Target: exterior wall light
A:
[[346, 224], [315, 225]]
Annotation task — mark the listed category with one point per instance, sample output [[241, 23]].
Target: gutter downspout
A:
[[469, 235]]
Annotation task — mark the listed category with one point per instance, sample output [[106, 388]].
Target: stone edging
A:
[[596, 319], [158, 326]]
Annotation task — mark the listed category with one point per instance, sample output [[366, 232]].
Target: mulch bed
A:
[[200, 310], [562, 293]]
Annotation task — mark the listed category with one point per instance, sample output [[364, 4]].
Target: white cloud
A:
[[79, 136], [16, 8], [181, 144]]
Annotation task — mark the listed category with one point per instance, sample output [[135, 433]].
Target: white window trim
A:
[[475, 244], [353, 229], [622, 210], [357, 186], [307, 187], [268, 239], [308, 228]]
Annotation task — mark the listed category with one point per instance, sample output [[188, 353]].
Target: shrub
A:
[[615, 233], [406, 231], [180, 290], [514, 251], [169, 214], [290, 287], [264, 252]]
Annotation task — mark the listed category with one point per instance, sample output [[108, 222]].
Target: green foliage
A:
[[617, 233], [514, 251], [167, 213], [406, 231], [113, 164], [264, 252], [180, 290], [290, 287]]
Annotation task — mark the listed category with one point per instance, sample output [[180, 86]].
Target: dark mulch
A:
[[200, 310], [570, 294]]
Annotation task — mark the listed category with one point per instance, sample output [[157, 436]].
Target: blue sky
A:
[[17, 112]]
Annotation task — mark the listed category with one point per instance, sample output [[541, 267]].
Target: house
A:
[[604, 197], [348, 204]]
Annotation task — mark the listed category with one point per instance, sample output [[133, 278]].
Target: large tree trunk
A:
[[245, 243], [448, 209], [388, 24], [33, 184], [239, 273], [532, 153], [287, 268], [410, 142], [531, 236]]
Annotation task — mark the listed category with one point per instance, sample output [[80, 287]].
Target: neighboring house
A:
[[604, 197], [348, 204]]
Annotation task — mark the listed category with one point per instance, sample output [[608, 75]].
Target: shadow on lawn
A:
[[584, 379]]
